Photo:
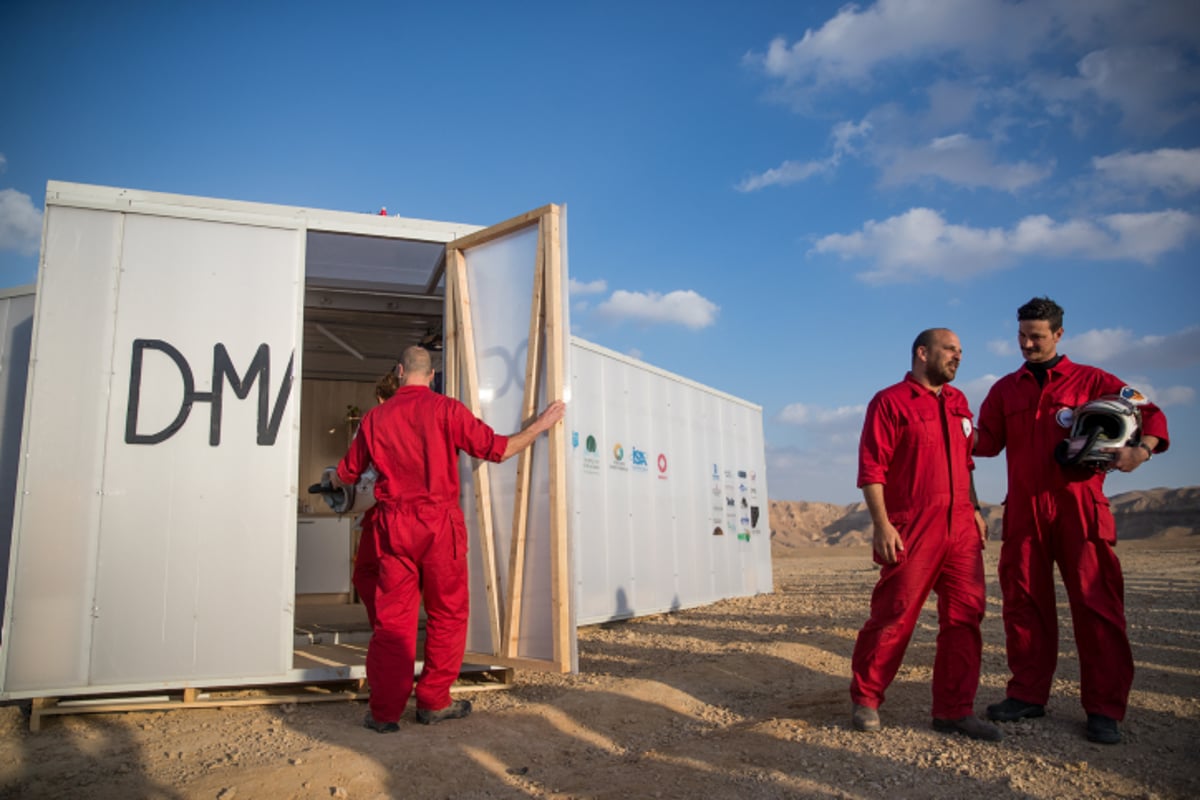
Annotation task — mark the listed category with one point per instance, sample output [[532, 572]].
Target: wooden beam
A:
[[522, 496], [500, 229], [450, 343], [436, 275], [501, 675], [556, 336], [470, 389]]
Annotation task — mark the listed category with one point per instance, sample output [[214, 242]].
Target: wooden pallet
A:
[[470, 681]]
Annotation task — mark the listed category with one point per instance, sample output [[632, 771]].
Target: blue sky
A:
[[770, 198]]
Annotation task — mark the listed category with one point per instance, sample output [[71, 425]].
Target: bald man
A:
[[914, 469], [414, 440]]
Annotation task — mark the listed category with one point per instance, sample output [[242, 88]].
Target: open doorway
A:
[[369, 296], [366, 299]]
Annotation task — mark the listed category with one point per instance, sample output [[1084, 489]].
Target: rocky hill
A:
[[1139, 515]]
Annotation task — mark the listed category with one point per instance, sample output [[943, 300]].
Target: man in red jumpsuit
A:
[[914, 469], [1059, 515], [414, 440]]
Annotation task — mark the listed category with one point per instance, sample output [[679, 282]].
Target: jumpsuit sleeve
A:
[[358, 457], [1154, 423], [474, 436], [990, 425], [877, 443]]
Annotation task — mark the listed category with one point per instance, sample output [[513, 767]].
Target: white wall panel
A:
[[53, 561], [178, 556], [146, 521], [16, 326]]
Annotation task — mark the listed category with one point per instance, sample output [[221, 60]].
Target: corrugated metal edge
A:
[[82, 195], [18, 291]]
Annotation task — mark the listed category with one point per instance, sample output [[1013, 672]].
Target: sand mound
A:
[[1146, 514]]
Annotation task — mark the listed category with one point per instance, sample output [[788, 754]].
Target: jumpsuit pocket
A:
[[1004, 517], [1103, 527], [921, 429], [459, 526]]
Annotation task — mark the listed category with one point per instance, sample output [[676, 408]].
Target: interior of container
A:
[[366, 299]]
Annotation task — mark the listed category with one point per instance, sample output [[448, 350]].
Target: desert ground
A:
[[743, 698]]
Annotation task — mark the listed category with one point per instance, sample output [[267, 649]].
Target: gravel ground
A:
[[744, 698]]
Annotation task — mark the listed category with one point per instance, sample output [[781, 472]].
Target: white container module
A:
[[669, 491], [194, 363]]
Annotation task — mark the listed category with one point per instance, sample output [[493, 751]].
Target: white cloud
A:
[[976, 389], [1173, 171], [920, 243], [591, 287], [845, 137], [854, 43], [809, 415], [951, 104], [786, 173], [1073, 60], [820, 472], [1002, 347], [682, 307], [1176, 396], [1149, 82], [1170, 396], [963, 161], [3, 162], [1117, 348], [1146, 83], [20, 222]]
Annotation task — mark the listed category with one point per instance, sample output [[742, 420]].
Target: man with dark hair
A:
[[914, 469], [413, 440], [1057, 514], [366, 557]]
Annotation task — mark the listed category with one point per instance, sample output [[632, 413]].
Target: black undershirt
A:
[[1040, 369]]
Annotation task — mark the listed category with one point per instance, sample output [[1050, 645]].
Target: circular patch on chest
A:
[[1065, 417]]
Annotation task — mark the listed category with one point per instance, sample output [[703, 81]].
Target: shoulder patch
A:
[[1134, 396]]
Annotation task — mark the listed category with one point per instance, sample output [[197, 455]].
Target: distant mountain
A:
[[1139, 515]]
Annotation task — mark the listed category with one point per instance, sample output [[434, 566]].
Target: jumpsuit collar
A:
[[1061, 365], [918, 388]]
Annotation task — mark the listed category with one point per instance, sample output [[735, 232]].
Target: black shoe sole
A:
[[1105, 733], [380, 727], [952, 727]]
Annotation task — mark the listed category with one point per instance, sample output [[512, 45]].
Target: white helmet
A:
[[1108, 421]]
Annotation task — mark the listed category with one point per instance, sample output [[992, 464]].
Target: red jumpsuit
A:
[[917, 443], [366, 562], [1059, 515], [414, 440]]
